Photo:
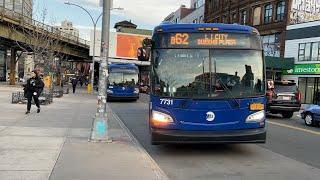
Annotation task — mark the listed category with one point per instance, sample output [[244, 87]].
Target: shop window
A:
[[243, 17], [310, 90], [301, 52], [309, 51], [280, 10], [315, 51], [302, 89], [268, 13], [271, 45], [256, 16]]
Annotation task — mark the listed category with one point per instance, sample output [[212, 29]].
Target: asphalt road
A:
[[291, 152]]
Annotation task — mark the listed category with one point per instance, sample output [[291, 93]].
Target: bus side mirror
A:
[[143, 54]]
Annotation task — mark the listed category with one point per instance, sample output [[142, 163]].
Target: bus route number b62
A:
[[180, 39]]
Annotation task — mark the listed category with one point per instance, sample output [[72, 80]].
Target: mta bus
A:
[[123, 82], [207, 84]]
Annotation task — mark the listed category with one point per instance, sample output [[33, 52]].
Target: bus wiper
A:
[[228, 90]]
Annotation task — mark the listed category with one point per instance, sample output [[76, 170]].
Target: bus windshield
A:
[[208, 73], [123, 78]]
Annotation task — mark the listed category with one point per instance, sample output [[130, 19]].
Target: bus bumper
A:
[[119, 97], [164, 136]]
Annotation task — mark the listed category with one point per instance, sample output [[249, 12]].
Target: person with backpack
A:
[[33, 89]]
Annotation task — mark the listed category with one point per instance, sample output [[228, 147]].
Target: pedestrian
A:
[[74, 82], [33, 89]]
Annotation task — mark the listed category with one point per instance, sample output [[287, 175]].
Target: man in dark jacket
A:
[[74, 83], [33, 89]]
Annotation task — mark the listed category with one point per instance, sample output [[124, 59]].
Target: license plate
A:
[[286, 98]]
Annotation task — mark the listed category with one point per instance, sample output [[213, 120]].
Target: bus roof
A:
[[168, 27], [123, 66]]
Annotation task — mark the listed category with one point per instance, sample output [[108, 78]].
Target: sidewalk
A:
[[54, 144]]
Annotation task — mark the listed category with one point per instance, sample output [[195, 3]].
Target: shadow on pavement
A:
[[204, 149]]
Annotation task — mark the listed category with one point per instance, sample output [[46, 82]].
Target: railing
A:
[[27, 21]]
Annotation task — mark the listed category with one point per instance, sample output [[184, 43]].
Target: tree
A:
[[40, 40]]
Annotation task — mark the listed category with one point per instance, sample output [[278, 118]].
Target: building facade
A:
[[192, 14], [175, 17], [23, 7], [270, 17], [68, 30], [303, 44], [197, 13], [123, 48]]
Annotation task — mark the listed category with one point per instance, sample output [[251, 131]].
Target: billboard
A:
[[304, 11], [127, 45], [121, 45]]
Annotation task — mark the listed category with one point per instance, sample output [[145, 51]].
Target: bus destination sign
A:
[[212, 40], [206, 40]]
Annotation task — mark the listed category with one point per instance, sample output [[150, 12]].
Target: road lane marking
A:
[[294, 128]]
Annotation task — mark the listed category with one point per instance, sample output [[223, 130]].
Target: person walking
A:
[[74, 82], [33, 89]]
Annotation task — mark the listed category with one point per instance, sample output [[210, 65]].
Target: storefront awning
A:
[[279, 63]]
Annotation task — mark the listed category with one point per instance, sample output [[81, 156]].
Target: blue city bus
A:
[[123, 82], [207, 84]]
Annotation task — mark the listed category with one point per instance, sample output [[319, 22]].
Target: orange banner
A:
[[127, 45]]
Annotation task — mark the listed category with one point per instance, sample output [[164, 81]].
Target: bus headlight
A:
[[109, 91], [136, 90], [256, 117], [159, 118]]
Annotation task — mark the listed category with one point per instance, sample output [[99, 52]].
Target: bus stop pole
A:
[[99, 131]]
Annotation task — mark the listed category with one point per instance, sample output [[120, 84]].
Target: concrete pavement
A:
[[281, 158], [53, 144]]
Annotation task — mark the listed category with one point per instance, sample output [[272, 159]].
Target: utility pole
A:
[[99, 131]]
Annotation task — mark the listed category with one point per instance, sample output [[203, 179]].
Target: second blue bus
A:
[[123, 82]]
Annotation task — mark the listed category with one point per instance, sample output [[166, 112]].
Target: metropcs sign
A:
[[304, 69]]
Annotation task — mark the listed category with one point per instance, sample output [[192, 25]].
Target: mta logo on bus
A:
[[210, 116]]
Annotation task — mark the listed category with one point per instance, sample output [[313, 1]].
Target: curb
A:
[[155, 167]]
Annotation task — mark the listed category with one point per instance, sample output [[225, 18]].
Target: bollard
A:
[[89, 88]]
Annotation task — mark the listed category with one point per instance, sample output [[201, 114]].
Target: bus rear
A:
[[123, 82], [208, 84]]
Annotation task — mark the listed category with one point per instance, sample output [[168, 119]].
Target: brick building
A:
[[270, 17]]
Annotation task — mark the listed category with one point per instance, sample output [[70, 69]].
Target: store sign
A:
[[303, 69], [304, 11]]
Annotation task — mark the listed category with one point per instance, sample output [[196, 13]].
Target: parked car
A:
[[283, 97], [311, 115]]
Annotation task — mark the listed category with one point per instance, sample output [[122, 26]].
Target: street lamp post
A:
[[99, 131], [94, 22]]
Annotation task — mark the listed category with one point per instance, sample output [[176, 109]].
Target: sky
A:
[[145, 13]]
